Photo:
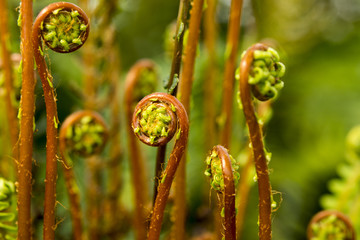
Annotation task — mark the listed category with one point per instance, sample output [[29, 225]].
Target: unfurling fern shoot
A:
[[260, 73], [8, 228], [140, 81], [157, 118], [222, 170], [83, 133], [330, 224], [63, 27]]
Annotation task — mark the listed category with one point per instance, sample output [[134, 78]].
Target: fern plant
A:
[[8, 227]]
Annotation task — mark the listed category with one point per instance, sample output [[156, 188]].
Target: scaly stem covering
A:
[[157, 118], [140, 81], [330, 224], [184, 94], [83, 133], [230, 65], [27, 106], [11, 108], [263, 81], [222, 170], [64, 27]]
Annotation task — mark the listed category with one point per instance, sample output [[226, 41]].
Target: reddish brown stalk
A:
[[72, 188], [138, 172], [263, 109], [180, 125], [210, 35], [256, 139], [51, 113], [227, 198], [11, 109], [181, 26], [230, 65], [327, 213], [184, 94], [27, 106]]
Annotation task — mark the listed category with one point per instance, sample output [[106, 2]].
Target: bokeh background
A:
[[318, 41]]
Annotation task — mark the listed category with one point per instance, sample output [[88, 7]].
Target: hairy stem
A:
[[27, 106], [11, 110], [256, 139], [230, 65], [228, 196], [179, 123], [184, 94], [51, 116]]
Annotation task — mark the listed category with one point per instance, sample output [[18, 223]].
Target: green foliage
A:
[[345, 190], [8, 228]]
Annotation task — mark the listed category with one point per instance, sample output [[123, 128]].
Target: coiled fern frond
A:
[[8, 228]]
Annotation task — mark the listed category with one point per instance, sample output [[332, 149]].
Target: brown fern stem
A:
[[51, 116], [184, 94], [27, 106], [256, 139], [11, 110], [227, 198], [232, 43], [180, 125]]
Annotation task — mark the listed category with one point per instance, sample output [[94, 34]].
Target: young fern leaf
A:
[[63, 27], [330, 224], [83, 133], [222, 171], [344, 190], [155, 123], [260, 74], [8, 227]]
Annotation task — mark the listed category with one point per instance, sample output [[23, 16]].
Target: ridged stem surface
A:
[[256, 140], [27, 105]]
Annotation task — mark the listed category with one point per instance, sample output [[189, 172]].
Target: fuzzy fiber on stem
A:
[[51, 108], [180, 125], [256, 139]]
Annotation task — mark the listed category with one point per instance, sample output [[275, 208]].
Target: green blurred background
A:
[[318, 41]]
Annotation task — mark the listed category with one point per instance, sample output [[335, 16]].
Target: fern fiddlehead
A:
[[8, 226], [157, 119], [63, 27], [344, 190], [140, 81], [83, 133], [222, 170], [260, 73], [330, 224]]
